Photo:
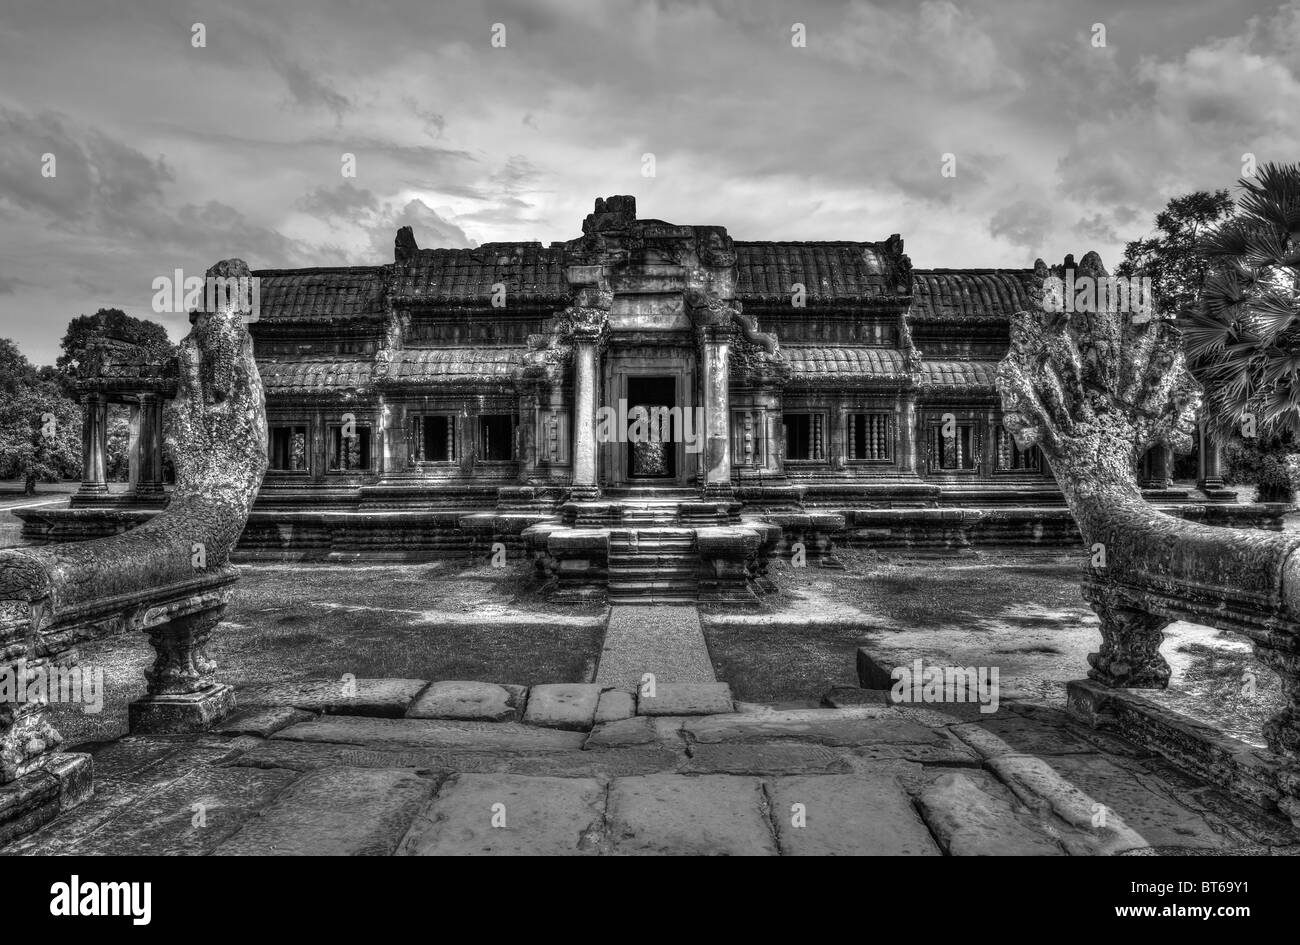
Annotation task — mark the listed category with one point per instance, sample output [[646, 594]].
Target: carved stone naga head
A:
[[1093, 380]]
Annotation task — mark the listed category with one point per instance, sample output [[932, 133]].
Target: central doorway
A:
[[656, 460]]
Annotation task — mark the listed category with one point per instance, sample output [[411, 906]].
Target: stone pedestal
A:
[[181, 714], [1130, 644], [184, 695]]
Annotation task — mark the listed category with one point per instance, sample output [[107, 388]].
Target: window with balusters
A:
[[805, 437], [952, 447], [1011, 458], [869, 437], [433, 438]]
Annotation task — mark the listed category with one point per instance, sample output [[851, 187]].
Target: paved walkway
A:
[[663, 639], [865, 778]]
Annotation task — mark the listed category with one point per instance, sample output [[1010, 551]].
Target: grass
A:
[[805, 641]]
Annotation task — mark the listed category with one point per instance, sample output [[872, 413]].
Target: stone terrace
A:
[[399, 766]]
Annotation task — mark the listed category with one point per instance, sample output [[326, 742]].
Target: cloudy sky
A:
[[169, 155]]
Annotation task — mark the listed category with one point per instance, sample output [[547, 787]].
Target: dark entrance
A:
[[656, 459]]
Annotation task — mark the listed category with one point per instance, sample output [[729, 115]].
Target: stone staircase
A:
[[653, 565]]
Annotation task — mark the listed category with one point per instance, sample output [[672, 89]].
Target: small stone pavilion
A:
[[462, 396]]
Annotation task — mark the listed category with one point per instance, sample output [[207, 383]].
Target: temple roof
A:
[[455, 365], [829, 271], [954, 375], [529, 272], [343, 292], [960, 294], [819, 363], [314, 375]]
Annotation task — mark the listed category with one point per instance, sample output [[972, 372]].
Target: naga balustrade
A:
[[1093, 390], [169, 578]]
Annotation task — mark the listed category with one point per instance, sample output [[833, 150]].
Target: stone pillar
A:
[[147, 458], [1209, 477], [1158, 468], [715, 378], [584, 417], [527, 436], [908, 452], [94, 443]]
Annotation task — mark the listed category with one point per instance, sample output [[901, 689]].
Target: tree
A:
[[15, 370], [1172, 258], [40, 428], [1243, 335]]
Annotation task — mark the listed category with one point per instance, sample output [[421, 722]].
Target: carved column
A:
[[147, 459], [94, 443], [584, 415], [715, 377]]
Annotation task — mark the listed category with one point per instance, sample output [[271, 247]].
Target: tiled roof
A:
[[964, 374], [314, 376], [454, 365], [529, 271], [816, 363], [967, 293], [347, 292], [828, 271]]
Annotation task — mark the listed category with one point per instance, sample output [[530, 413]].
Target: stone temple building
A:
[[454, 399]]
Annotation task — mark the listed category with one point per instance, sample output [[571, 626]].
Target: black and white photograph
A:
[[650, 427]]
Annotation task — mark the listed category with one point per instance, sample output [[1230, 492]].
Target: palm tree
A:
[[1242, 339]]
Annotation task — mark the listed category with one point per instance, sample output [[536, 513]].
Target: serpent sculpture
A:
[[1094, 390], [170, 577]]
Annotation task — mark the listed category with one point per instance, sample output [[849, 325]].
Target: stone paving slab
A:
[[336, 812], [615, 704], [638, 730], [686, 699], [858, 726], [469, 701], [670, 784], [568, 706], [708, 815], [384, 698], [969, 821], [847, 815], [190, 815], [262, 721], [779, 757], [608, 763], [645, 638], [432, 733], [510, 815]]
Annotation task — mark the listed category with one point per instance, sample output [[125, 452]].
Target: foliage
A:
[[1171, 258], [1243, 335]]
